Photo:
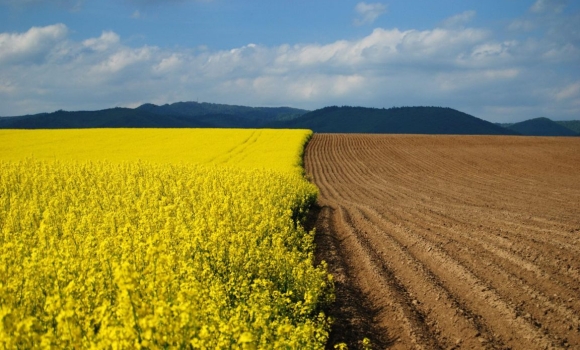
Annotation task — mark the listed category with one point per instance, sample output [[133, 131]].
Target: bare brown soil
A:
[[450, 241]]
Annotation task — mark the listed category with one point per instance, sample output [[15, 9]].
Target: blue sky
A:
[[500, 60]]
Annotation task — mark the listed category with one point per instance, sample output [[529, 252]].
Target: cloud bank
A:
[[43, 69]]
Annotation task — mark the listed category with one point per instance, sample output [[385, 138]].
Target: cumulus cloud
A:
[[368, 13], [31, 46], [106, 41], [42, 69]]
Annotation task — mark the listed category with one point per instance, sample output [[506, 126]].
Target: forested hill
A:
[[176, 115], [543, 127], [573, 125], [397, 120]]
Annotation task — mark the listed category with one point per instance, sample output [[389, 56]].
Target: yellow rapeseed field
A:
[[246, 148], [124, 239]]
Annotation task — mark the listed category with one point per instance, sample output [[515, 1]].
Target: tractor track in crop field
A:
[[440, 242]]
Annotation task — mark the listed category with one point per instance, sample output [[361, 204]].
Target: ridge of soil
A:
[[452, 242]]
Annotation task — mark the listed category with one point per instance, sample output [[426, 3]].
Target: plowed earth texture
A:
[[450, 241]]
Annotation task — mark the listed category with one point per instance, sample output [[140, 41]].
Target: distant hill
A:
[[177, 115], [221, 114], [541, 127], [398, 120], [107, 118], [573, 125]]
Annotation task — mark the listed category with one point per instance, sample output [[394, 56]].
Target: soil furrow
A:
[[428, 292], [450, 241]]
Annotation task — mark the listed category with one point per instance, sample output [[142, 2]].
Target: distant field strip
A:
[[244, 148], [451, 241], [154, 239]]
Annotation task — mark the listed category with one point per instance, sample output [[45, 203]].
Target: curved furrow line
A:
[[467, 239], [545, 311], [429, 295], [356, 315], [443, 231], [532, 295], [318, 145], [475, 293], [528, 263], [473, 171], [516, 248], [414, 185], [535, 230], [544, 240], [384, 286], [354, 174], [350, 176], [541, 230]]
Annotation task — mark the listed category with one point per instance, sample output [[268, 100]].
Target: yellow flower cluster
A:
[[101, 254]]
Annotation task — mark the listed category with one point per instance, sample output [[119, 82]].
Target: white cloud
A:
[[568, 92], [106, 41], [438, 43], [522, 24], [42, 69], [6, 87], [561, 53], [380, 47], [122, 59], [368, 13], [490, 53], [543, 6], [458, 20], [168, 64], [32, 45], [308, 88]]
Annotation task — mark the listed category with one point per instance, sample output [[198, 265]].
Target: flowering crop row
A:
[[97, 254]]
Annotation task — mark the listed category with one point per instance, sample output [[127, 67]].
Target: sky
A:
[[499, 60]]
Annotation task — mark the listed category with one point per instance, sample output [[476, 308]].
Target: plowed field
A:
[[450, 241]]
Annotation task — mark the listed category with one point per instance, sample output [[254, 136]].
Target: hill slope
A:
[[177, 115], [573, 125], [541, 127], [401, 120], [107, 118], [220, 114]]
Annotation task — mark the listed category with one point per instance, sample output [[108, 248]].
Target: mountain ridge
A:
[[333, 119], [541, 127], [175, 115], [395, 120]]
